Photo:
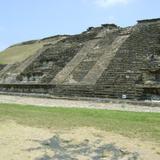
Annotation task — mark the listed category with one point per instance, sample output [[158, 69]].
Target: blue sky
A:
[[22, 20]]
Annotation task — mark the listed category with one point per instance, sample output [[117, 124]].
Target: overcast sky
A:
[[22, 20]]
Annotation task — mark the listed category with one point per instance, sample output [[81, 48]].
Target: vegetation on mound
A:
[[132, 124], [18, 53]]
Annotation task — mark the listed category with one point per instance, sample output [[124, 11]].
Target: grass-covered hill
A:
[[21, 51]]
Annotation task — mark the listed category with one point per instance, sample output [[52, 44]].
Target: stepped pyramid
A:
[[107, 62]]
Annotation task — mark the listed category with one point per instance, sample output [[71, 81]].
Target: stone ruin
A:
[[102, 62]]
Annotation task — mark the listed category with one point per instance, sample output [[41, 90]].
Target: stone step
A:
[[66, 72], [103, 62]]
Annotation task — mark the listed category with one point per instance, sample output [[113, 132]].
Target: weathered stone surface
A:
[[106, 61], [2, 66]]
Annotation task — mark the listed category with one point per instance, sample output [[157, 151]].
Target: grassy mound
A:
[[19, 53]]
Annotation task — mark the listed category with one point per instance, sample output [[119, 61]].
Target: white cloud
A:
[[110, 3]]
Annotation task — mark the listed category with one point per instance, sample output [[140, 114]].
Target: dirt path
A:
[[75, 104], [19, 142]]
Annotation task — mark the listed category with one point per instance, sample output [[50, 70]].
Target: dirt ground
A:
[[19, 142], [75, 104]]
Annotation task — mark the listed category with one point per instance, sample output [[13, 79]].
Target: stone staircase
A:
[[84, 60], [6, 75], [109, 52], [66, 72], [124, 71], [10, 73], [53, 58]]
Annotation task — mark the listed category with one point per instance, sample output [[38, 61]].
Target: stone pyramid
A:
[[107, 62]]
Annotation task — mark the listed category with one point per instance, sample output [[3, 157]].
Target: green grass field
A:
[[131, 124]]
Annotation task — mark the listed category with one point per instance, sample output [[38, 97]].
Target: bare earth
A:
[[19, 142], [75, 104]]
